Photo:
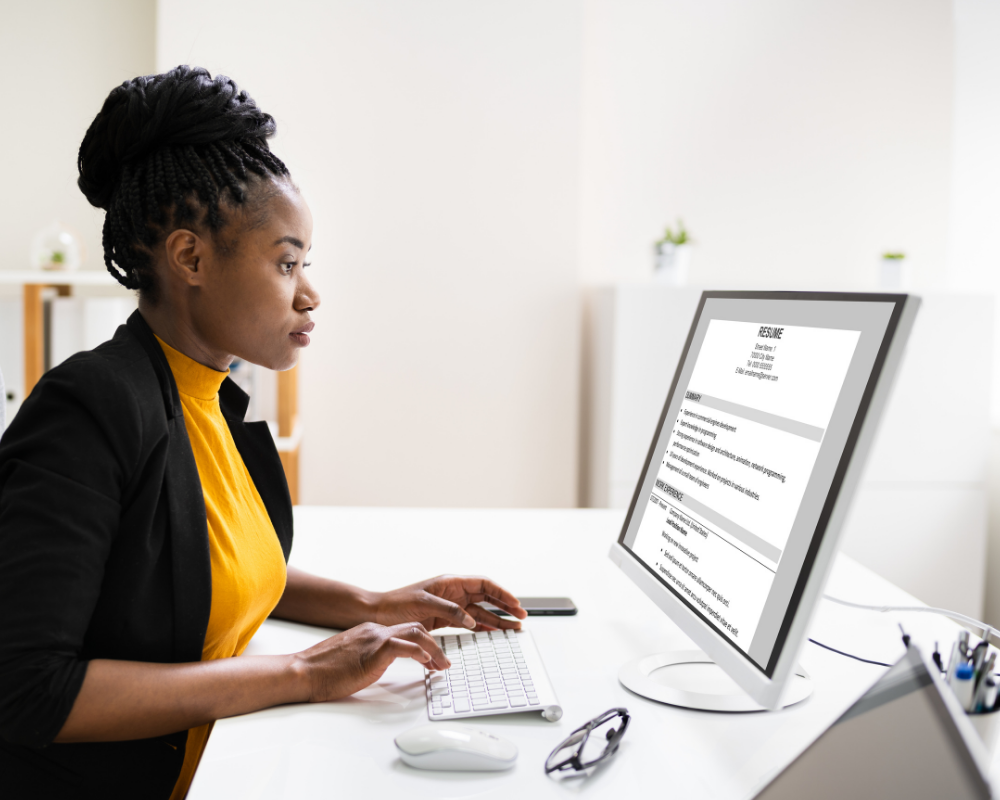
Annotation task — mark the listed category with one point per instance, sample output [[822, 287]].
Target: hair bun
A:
[[185, 106]]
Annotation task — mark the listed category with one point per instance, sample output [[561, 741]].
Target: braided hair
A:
[[168, 150]]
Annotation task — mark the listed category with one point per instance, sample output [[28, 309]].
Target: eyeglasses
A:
[[571, 753]]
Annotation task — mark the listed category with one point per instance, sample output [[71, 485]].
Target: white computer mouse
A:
[[452, 747]]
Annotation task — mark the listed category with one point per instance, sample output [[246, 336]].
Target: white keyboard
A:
[[498, 672]]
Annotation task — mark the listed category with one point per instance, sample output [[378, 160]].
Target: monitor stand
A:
[[690, 679]]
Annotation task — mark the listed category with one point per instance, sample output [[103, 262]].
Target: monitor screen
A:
[[749, 454]]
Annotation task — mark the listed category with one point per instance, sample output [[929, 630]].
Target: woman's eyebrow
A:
[[291, 240]]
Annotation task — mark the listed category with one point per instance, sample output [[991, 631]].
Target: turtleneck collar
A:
[[193, 379]]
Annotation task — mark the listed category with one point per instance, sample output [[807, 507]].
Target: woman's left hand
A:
[[449, 601]]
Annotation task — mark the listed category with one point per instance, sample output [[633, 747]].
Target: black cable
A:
[[842, 653]]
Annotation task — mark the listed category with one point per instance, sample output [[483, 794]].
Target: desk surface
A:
[[345, 749]]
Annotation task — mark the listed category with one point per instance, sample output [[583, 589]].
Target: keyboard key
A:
[[439, 691], [518, 702], [436, 711], [532, 701], [493, 705], [462, 706]]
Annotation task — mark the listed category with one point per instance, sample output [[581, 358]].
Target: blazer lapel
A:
[[192, 565]]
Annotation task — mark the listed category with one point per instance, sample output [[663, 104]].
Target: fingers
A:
[[415, 633], [490, 622], [395, 647], [434, 606], [480, 589]]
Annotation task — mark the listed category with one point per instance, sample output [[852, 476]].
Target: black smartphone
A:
[[540, 607]]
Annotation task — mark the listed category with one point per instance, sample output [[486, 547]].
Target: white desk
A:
[[345, 749]]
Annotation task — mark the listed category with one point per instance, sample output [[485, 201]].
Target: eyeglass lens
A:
[[566, 750], [596, 740], [597, 743]]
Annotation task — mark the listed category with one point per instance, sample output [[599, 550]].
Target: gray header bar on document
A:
[[792, 426]]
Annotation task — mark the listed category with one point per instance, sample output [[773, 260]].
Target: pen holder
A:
[[987, 725]]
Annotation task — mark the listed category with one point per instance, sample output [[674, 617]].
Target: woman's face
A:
[[254, 301]]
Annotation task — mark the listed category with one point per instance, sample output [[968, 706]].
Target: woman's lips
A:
[[301, 336]]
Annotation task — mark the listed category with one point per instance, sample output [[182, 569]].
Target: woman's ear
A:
[[185, 251]]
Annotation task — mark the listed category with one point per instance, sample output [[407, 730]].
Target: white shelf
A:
[[51, 277]]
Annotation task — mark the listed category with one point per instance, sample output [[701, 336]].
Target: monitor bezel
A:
[[766, 684]]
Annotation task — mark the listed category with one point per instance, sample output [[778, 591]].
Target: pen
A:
[[979, 699], [953, 662], [978, 654]]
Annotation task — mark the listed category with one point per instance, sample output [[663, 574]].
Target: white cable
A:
[[988, 632]]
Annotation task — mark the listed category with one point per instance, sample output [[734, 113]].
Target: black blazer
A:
[[104, 554]]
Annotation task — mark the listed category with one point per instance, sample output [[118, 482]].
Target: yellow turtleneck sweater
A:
[[248, 567]]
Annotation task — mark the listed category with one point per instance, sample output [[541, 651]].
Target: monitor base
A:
[[690, 679]]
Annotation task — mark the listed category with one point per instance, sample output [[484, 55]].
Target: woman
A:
[[144, 527]]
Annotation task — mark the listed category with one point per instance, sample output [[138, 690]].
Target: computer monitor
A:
[[735, 519]]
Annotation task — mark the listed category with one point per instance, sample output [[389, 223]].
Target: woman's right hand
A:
[[350, 661]]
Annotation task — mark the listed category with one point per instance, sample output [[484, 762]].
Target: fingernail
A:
[[469, 622]]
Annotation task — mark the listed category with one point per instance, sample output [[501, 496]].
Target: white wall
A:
[[974, 252], [798, 141], [437, 143], [59, 60]]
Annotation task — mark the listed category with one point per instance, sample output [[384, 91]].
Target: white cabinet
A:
[[920, 515]]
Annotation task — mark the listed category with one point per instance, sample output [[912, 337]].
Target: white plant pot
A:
[[673, 263], [894, 275], [55, 247]]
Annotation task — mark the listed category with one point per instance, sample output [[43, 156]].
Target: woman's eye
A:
[[287, 266]]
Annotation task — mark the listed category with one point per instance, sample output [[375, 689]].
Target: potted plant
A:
[[55, 247], [673, 255], [894, 272]]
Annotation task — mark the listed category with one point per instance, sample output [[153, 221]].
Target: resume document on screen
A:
[[738, 457]]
